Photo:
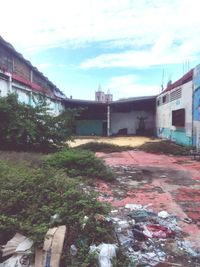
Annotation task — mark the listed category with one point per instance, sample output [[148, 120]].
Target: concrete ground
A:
[[132, 141], [169, 183]]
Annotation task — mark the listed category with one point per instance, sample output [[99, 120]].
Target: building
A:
[[124, 117], [174, 111], [18, 75], [196, 107], [174, 114], [132, 116], [101, 97]]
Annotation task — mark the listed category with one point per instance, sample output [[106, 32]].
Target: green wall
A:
[[89, 127]]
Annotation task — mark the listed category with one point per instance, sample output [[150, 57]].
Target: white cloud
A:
[[129, 24], [130, 85], [163, 52], [48, 23]]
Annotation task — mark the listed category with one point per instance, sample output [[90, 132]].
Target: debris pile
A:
[[145, 235]]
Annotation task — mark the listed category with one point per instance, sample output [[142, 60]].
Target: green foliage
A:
[[29, 198], [165, 147], [79, 163], [24, 127]]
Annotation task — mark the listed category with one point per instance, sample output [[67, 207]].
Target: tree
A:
[[24, 127]]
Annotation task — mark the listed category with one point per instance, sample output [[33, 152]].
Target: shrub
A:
[[24, 127], [165, 147], [79, 163], [103, 147], [30, 197]]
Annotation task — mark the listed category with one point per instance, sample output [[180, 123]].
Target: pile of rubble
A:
[[142, 234], [145, 236]]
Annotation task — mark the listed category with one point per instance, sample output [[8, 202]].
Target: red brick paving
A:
[[179, 195]]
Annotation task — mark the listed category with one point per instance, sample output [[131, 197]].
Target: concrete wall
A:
[[130, 121], [19, 76], [178, 98], [89, 127], [4, 87], [26, 94], [196, 117]]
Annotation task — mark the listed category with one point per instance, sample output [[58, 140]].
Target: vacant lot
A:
[[161, 183], [132, 141]]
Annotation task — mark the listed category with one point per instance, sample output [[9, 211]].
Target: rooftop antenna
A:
[[163, 76], [188, 64]]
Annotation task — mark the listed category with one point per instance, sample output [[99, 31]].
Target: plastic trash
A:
[[20, 247], [85, 220], [163, 214], [187, 220], [123, 224], [18, 243], [187, 246], [18, 260], [141, 215], [133, 206], [126, 240], [159, 231], [138, 233], [73, 250], [106, 252]]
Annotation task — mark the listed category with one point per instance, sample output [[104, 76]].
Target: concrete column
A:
[[10, 84], [108, 120]]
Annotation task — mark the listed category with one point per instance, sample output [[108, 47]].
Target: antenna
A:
[[163, 76]]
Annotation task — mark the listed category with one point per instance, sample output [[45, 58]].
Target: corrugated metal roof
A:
[[184, 79], [20, 56]]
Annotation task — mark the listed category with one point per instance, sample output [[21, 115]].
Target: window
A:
[[165, 99], [178, 117], [158, 102]]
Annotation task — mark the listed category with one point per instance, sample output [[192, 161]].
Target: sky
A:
[[130, 47]]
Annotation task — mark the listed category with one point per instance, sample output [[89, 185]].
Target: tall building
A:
[[100, 96]]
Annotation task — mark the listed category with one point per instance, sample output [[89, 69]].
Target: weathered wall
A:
[[6, 60], [196, 117], [177, 98], [17, 75], [89, 127], [21, 69], [4, 86], [130, 121]]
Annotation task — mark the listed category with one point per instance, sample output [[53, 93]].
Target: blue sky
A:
[[123, 45]]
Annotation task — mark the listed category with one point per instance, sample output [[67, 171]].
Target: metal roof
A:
[[20, 56]]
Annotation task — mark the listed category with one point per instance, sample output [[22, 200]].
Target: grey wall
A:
[[129, 120]]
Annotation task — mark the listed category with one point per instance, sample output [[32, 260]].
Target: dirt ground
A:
[[132, 141], [161, 182]]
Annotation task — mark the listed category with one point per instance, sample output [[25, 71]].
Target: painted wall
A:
[[130, 121], [4, 87], [177, 98], [196, 107], [89, 127], [25, 95]]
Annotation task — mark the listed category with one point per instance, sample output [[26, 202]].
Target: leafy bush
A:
[[24, 127], [165, 147], [30, 197], [79, 163], [103, 147]]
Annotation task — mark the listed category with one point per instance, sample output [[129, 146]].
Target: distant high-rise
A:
[[100, 96]]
